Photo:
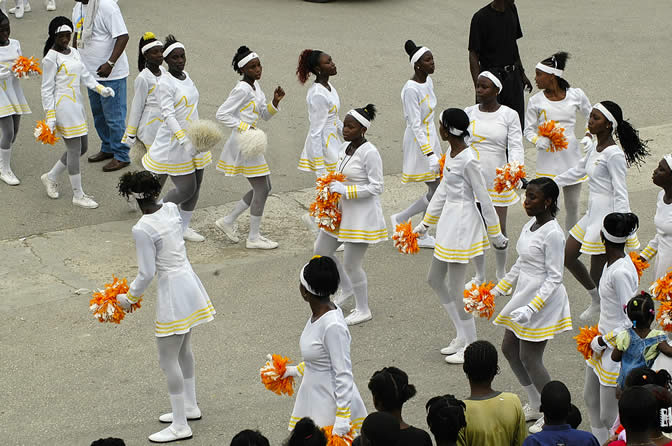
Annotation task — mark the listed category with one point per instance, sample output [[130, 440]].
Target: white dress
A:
[[608, 193], [328, 388], [12, 100], [242, 110], [182, 302], [320, 150], [179, 107], [362, 219], [145, 117], [420, 137], [62, 98], [461, 233], [491, 135], [539, 110], [660, 246], [537, 276], [619, 284]]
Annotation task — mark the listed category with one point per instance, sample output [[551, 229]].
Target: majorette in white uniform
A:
[[61, 95], [539, 110], [537, 276], [619, 283], [12, 100], [660, 246], [362, 218], [420, 137], [461, 233], [491, 135], [179, 107], [328, 388], [320, 150], [242, 110], [182, 302], [608, 193], [145, 117]]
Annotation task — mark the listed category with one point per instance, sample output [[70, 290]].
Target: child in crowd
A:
[[445, 418]]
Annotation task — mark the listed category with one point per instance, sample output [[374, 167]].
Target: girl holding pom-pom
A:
[[660, 246], [461, 233], [182, 302], [539, 307], [560, 103]]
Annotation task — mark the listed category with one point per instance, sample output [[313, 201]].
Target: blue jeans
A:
[[109, 117]]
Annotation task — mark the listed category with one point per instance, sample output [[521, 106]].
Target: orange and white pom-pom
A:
[[442, 164], [336, 440], [583, 340], [44, 134], [24, 66], [272, 375], [479, 300], [552, 131], [509, 177], [325, 207], [661, 289], [664, 315], [640, 264], [104, 305], [405, 240]]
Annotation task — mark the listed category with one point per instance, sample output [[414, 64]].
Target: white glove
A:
[[586, 141], [5, 73], [128, 140], [51, 123], [123, 302], [496, 293], [542, 143], [336, 187], [421, 229], [321, 172], [107, 92], [434, 163], [499, 241], [522, 315], [595, 345], [189, 147], [291, 370], [341, 426]]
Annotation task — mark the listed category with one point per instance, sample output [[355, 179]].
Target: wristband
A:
[[110, 63]]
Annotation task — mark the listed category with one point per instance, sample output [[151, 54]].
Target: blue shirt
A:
[[561, 435]]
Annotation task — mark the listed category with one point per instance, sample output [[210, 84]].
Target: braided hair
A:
[[635, 148], [550, 190], [480, 361], [620, 224], [55, 23], [445, 417], [321, 273], [142, 182], [558, 60], [390, 388], [308, 61], [306, 433], [146, 38], [640, 310], [641, 376], [241, 53]]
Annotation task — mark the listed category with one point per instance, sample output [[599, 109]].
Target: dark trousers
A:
[[512, 93]]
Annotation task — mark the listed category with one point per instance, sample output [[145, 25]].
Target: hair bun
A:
[[242, 50], [148, 36], [370, 110], [410, 47]]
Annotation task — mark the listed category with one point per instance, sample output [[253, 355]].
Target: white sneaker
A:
[[192, 414], [455, 345], [261, 243], [426, 242], [471, 283], [51, 186], [590, 312], [9, 178], [341, 297], [171, 434], [51, 5], [531, 414], [537, 426], [457, 357], [310, 224], [85, 201], [357, 317], [26, 8], [19, 10], [192, 236], [230, 230], [341, 247]]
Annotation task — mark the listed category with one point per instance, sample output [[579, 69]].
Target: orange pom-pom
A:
[[509, 177], [479, 300], [104, 305], [442, 164], [336, 440], [640, 263], [325, 207], [556, 134], [664, 315], [661, 289], [584, 338], [24, 66], [44, 134], [271, 375], [405, 240]]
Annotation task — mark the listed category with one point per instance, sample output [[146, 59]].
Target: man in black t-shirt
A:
[[492, 46]]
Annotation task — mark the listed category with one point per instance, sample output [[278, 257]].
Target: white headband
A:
[[305, 283], [613, 238], [454, 131], [138, 196], [151, 45], [606, 114], [245, 60], [493, 78], [171, 48], [63, 29], [358, 116], [550, 70], [668, 159], [418, 54]]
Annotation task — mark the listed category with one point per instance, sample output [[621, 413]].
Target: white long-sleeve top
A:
[[660, 246], [244, 106], [144, 117], [320, 151], [419, 102], [619, 284], [12, 99]]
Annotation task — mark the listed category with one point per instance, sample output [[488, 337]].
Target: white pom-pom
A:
[[138, 150], [252, 142], [204, 135]]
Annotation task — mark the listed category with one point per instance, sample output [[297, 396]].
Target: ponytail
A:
[[146, 38], [308, 61], [635, 148], [559, 61]]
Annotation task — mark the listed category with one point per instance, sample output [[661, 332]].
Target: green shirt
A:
[[498, 420]]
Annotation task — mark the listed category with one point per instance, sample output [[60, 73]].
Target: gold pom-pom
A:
[[137, 152], [148, 35], [204, 134]]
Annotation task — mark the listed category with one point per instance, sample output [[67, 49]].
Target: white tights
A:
[[602, 405], [571, 195], [177, 362]]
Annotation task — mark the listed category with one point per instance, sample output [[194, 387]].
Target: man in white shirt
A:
[[101, 37]]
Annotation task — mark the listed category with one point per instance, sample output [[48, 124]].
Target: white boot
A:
[[51, 5]]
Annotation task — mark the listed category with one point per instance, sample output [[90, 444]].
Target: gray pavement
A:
[[68, 379]]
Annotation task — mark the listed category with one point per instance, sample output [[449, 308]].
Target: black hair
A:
[[55, 23], [3, 17], [641, 310], [109, 441], [411, 48], [550, 190], [635, 148], [574, 418], [445, 417], [558, 60], [456, 118], [142, 182], [480, 361], [306, 433], [620, 224], [146, 38], [321, 273], [380, 428], [638, 409], [169, 40], [249, 437], [368, 111], [556, 401], [641, 376], [308, 61], [241, 53], [664, 402], [390, 388]]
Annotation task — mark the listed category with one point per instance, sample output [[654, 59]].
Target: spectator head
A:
[[445, 417], [574, 418], [638, 410], [380, 429], [664, 400], [640, 310], [249, 437], [480, 362], [108, 442], [390, 389], [319, 278], [644, 375], [306, 433], [556, 403]]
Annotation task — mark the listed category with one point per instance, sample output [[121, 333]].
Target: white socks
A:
[[601, 433], [468, 329], [479, 264], [500, 259], [255, 223], [417, 207], [451, 309], [533, 397], [5, 158], [57, 170], [76, 183], [238, 209], [594, 296], [190, 393], [361, 291], [186, 218], [177, 404]]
